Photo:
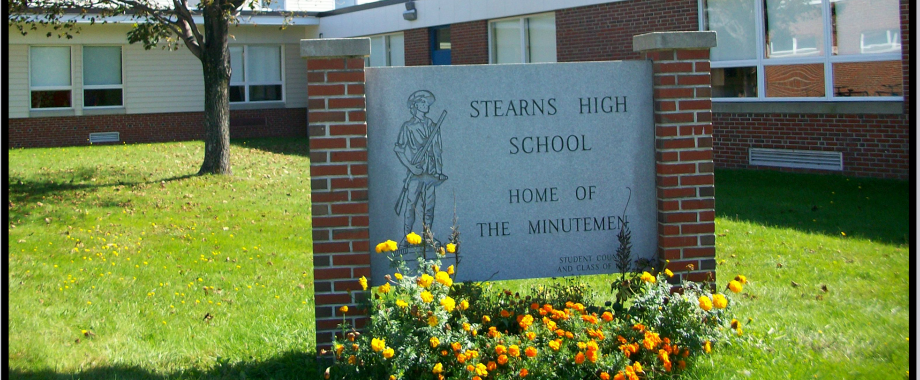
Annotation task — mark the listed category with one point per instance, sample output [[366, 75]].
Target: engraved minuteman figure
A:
[[418, 148]]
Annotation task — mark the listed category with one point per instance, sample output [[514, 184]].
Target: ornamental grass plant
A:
[[423, 325]]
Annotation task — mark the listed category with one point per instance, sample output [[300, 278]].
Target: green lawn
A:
[[126, 243]]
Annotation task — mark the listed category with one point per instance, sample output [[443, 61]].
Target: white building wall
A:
[[437, 12], [156, 80], [18, 84]]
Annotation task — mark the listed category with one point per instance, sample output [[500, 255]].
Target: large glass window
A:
[[387, 50], [102, 78], [256, 74], [805, 49], [523, 40], [50, 77]]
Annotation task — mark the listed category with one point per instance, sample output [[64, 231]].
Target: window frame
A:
[[51, 88], [389, 49], [104, 86], [828, 59], [246, 83], [524, 27]]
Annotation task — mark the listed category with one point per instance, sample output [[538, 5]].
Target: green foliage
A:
[[423, 326]]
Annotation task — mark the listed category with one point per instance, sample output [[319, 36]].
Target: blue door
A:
[[440, 45]]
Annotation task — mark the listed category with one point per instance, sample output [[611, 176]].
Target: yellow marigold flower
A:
[[427, 296], [580, 357], [385, 288], [531, 335], [450, 270], [466, 326], [398, 276], [531, 351], [647, 277], [363, 281], [401, 303], [464, 305], [525, 322], [392, 377], [388, 353], [668, 273], [740, 278], [339, 349], [705, 303], [637, 367], [486, 319], [456, 346], [437, 369], [425, 280], [391, 246], [432, 321], [514, 350], [343, 309], [523, 372], [451, 248], [719, 301], [434, 342], [413, 238], [735, 286], [592, 346], [378, 344], [735, 324], [380, 247], [352, 360], [444, 279], [448, 304], [555, 344], [481, 369], [707, 348]]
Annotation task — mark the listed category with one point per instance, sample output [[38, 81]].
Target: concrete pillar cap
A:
[[335, 48], [674, 41]]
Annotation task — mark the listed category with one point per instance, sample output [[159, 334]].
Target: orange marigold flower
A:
[[500, 349], [580, 358], [592, 356], [619, 376], [605, 376], [514, 350], [568, 334], [525, 322], [592, 319], [455, 346], [491, 366], [506, 313], [503, 359], [607, 316], [531, 352], [523, 372], [682, 365], [638, 327]]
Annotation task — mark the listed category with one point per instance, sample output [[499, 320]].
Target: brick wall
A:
[[872, 145], [418, 47], [683, 162], [338, 172], [604, 32], [469, 43], [905, 52], [154, 127]]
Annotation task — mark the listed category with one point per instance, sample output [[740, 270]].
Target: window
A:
[[387, 50], [50, 77], [523, 40], [102, 77], [256, 74], [805, 49]]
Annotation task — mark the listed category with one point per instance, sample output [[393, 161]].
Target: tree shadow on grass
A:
[[832, 205], [299, 146], [289, 365]]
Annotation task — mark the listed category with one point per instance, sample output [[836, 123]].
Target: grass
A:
[[126, 243], [247, 237]]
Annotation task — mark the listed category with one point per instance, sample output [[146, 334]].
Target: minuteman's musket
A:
[[434, 133], [415, 158]]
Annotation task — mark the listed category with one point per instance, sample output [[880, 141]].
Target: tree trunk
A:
[[215, 60]]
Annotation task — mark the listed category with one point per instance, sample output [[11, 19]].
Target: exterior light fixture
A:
[[411, 13]]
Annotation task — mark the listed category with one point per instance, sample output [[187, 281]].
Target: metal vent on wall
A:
[[802, 159], [104, 137]]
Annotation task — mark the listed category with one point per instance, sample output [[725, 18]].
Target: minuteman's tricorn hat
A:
[[420, 94]]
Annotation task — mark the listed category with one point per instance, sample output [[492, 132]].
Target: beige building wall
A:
[[156, 80]]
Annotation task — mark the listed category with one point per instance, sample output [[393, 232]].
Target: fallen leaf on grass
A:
[[795, 284], [779, 265], [824, 288]]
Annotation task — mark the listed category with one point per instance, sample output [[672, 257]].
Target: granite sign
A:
[[541, 163]]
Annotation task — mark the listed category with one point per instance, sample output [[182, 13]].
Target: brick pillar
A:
[[683, 150], [338, 170]]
